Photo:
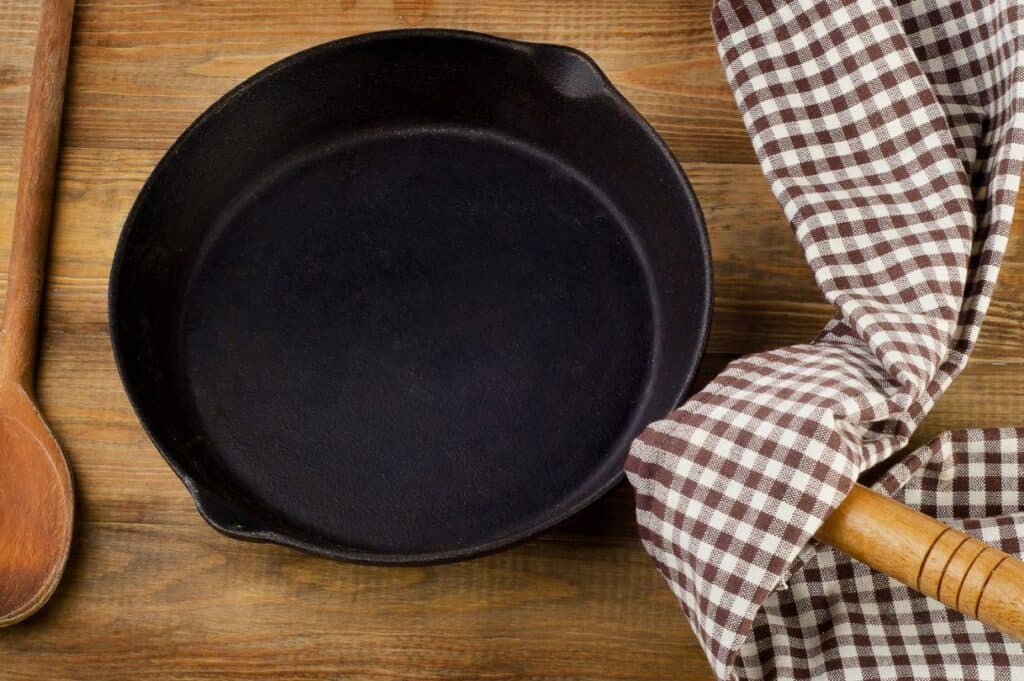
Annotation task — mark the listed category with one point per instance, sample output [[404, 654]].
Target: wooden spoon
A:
[[36, 497]]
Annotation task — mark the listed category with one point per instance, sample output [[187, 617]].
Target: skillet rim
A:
[[206, 505]]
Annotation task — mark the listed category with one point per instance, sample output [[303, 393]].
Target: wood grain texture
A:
[[152, 592]]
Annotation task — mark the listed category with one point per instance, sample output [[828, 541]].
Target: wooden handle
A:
[[927, 555], [35, 194]]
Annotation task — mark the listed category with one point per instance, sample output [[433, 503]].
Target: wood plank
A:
[[184, 602], [142, 71]]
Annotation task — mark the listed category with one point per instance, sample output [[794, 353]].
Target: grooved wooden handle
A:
[[930, 556], [35, 194]]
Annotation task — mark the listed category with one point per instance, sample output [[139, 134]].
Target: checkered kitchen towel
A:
[[892, 133]]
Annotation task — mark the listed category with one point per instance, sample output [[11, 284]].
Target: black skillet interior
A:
[[407, 297]]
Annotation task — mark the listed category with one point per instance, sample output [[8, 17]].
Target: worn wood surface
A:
[[152, 592]]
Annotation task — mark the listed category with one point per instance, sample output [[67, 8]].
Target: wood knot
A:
[[411, 12]]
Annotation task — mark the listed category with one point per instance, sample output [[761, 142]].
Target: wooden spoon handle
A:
[[930, 556], [25, 274]]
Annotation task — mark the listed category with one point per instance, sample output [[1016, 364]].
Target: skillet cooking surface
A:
[[408, 297]]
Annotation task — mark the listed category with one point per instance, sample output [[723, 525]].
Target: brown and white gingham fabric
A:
[[839, 619], [892, 134]]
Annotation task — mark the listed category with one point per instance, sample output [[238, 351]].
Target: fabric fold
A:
[[890, 133]]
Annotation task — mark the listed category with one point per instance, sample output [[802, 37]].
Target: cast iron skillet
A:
[[407, 297]]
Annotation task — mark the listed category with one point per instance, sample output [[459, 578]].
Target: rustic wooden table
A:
[[152, 592]]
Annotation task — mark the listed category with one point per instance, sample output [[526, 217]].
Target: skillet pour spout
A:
[[407, 297]]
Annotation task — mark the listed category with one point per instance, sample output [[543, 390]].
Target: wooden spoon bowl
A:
[[36, 507]]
